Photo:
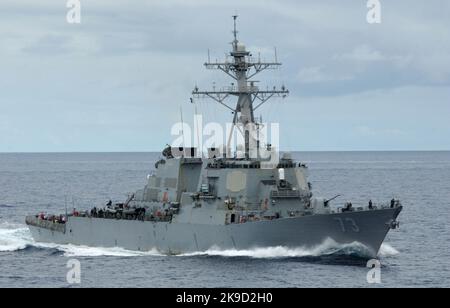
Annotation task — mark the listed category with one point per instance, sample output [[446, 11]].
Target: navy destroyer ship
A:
[[227, 201]]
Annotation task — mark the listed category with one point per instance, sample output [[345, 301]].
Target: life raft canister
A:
[[165, 197], [266, 204]]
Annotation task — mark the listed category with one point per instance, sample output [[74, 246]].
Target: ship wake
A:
[[14, 237], [18, 238], [328, 248]]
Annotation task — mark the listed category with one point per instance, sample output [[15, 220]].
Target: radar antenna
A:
[[242, 69]]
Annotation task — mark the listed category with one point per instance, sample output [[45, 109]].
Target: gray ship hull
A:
[[366, 227]]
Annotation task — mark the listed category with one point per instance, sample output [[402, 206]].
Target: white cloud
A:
[[362, 53], [367, 131], [317, 74]]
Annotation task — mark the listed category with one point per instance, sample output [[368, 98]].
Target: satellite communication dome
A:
[[240, 47]]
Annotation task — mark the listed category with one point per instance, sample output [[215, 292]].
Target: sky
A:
[[118, 80]]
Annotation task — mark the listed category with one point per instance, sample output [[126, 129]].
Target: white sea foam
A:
[[328, 247], [13, 238], [84, 251], [387, 250], [17, 237]]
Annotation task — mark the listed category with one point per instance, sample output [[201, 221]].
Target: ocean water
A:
[[416, 255]]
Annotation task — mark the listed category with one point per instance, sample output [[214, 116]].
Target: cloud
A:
[[136, 64], [318, 74], [367, 131], [362, 53], [49, 45]]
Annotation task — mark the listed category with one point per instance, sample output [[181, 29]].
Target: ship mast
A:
[[242, 69]]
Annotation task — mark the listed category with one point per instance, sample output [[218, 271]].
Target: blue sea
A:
[[416, 255]]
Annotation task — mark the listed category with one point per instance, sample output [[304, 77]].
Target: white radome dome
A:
[[241, 47]]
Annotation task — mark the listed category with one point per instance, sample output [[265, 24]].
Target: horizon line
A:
[[150, 151]]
